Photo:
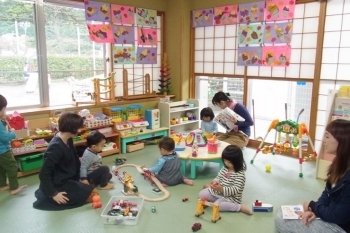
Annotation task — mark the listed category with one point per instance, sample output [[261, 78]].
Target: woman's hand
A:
[[60, 198], [306, 205], [307, 217], [85, 182], [234, 119]]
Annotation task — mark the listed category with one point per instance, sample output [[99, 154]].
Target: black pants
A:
[[100, 176]]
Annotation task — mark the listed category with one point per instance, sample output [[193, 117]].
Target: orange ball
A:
[[96, 198]]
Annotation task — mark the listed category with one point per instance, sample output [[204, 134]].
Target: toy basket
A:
[[117, 113], [97, 123], [134, 203]]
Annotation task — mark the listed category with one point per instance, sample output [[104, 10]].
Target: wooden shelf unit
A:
[[112, 136], [178, 109]]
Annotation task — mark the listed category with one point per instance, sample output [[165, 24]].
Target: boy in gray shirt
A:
[[91, 169]]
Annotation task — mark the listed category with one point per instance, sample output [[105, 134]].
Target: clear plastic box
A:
[[122, 220]]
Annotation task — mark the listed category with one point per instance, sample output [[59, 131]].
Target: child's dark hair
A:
[[3, 102], [166, 143], [94, 138], [234, 154], [220, 96], [70, 123], [207, 112]]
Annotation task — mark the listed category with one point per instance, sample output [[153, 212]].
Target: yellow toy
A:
[[200, 209], [268, 168], [288, 127]]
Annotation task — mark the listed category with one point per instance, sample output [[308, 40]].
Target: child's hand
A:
[[216, 186], [60, 198]]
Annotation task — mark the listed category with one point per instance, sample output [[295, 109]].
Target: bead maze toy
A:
[[104, 86], [288, 127], [140, 87], [130, 189], [202, 202]]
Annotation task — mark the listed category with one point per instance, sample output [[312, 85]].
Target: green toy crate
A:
[[30, 162]]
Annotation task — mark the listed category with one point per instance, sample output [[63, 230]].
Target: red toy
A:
[[197, 226], [147, 175], [185, 199], [96, 202], [258, 203]]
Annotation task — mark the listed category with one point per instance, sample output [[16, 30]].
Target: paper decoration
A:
[[147, 36], [123, 34], [100, 33], [97, 11], [122, 14], [277, 33], [279, 10], [276, 55], [249, 56], [250, 34], [225, 15], [146, 55], [124, 55], [146, 17], [203, 18], [251, 12]]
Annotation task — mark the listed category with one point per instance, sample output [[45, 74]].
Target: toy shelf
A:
[[176, 110]]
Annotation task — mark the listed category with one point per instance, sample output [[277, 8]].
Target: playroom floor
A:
[[281, 186]]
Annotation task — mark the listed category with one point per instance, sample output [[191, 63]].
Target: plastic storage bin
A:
[[30, 162], [132, 202]]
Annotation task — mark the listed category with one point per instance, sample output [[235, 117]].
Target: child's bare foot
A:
[[4, 188], [19, 189], [244, 209], [206, 186], [188, 182], [108, 186]]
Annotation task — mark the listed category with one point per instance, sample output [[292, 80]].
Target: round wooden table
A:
[[202, 156]]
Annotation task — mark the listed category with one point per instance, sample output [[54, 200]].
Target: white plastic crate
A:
[[122, 220]]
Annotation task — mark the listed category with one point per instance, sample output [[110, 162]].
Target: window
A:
[[18, 52], [335, 58]]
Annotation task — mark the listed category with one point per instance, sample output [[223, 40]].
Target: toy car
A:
[[197, 226]]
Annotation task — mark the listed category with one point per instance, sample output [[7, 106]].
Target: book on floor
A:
[[291, 211]]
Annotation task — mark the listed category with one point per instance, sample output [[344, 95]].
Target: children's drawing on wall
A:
[[97, 11], [277, 33], [279, 10], [124, 34], [146, 17], [124, 55], [251, 12], [250, 34], [225, 15], [276, 55], [122, 14], [146, 55], [249, 56], [203, 18], [100, 33], [147, 36]]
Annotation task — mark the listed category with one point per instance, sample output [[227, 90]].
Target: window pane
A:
[[19, 81], [277, 94], [72, 59]]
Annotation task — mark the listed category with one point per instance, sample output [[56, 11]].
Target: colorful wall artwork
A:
[[147, 36], [277, 33], [122, 14], [276, 55], [124, 55], [251, 12], [146, 55], [100, 33], [97, 11], [279, 10], [123, 34], [250, 34], [225, 15], [146, 17], [249, 56], [203, 18]]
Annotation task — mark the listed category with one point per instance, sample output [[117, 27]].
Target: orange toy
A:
[[96, 203]]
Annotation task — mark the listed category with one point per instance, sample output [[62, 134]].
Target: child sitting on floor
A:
[[167, 169], [227, 188], [208, 124], [91, 169]]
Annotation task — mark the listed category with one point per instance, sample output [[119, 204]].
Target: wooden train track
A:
[[154, 179]]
